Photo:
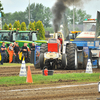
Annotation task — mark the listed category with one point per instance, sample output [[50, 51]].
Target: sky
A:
[[91, 6]]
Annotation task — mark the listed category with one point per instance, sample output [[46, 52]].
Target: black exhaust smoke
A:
[[59, 8]]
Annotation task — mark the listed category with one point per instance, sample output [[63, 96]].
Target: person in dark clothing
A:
[[3, 48], [24, 51], [32, 52], [16, 53]]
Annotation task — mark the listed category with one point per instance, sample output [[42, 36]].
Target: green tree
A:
[[50, 29], [1, 8], [41, 30], [23, 26], [40, 12], [5, 27], [47, 17], [33, 26], [17, 25], [79, 16], [10, 25], [11, 17], [30, 25]]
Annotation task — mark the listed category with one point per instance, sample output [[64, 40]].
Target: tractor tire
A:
[[6, 59], [64, 61], [41, 60], [72, 61], [44, 48], [98, 62]]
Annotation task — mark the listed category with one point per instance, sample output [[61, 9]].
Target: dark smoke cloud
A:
[[59, 8]]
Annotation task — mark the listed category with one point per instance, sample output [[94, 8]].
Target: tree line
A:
[[44, 14], [36, 26]]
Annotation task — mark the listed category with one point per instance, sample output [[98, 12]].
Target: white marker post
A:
[[23, 69], [89, 67]]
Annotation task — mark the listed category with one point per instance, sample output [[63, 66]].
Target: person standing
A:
[[16, 53], [3, 48], [11, 52], [24, 51], [32, 52], [60, 39]]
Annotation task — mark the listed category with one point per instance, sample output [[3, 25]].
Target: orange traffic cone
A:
[[29, 76]]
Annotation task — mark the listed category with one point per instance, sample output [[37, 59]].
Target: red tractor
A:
[[51, 54]]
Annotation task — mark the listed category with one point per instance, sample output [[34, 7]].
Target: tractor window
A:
[[22, 36], [34, 38], [71, 36], [89, 26], [4, 36]]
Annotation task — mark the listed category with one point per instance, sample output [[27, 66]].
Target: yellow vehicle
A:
[[73, 35]]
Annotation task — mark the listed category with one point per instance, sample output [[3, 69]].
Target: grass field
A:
[[40, 79], [14, 64]]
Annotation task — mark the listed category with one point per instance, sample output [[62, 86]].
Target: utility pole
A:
[[29, 11], [73, 17]]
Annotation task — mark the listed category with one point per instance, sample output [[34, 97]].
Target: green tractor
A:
[[5, 36], [28, 37]]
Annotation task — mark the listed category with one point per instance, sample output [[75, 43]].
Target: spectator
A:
[[59, 45], [3, 48], [16, 53], [60, 42], [32, 52], [24, 51], [10, 52], [13, 48]]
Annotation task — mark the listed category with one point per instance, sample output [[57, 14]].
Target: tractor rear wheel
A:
[[41, 60], [72, 61]]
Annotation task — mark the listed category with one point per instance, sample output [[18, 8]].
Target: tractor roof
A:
[[5, 30], [27, 31], [23, 31]]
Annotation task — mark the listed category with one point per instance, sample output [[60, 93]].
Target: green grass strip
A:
[[14, 64], [38, 79]]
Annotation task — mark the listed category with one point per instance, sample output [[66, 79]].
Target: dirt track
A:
[[13, 71], [68, 93]]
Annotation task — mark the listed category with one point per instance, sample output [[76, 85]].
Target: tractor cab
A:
[[5, 35], [72, 35]]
